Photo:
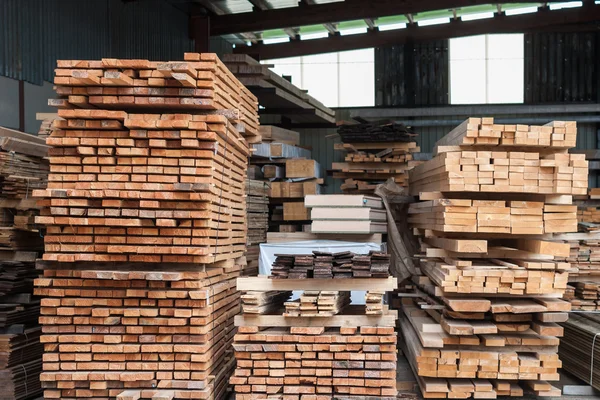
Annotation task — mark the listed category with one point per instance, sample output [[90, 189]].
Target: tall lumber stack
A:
[[145, 214], [258, 220], [376, 151], [484, 322], [22, 169], [318, 346]]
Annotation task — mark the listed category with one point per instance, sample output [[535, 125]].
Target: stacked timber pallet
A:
[[146, 229], [293, 175], [484, 319], [257, 215], [346, 354], [375, 152], [22, 169], [277, 94], [346, 214]]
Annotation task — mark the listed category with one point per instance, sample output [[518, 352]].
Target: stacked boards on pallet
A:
[[490, 295], [375, 152], [276, 94], [257, 203], [346, 214], [318, 346], [22, 169], [293, 175], [146, 229]]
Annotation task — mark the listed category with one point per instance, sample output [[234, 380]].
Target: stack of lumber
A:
[[583, 296], [22, 170], [483, 132], [579, 347], [376, 151], [343, 353], [254, 302], [315, 303], [146, 228], [484, 314], [323, 265], [358, 214], [144, 188], [277, 94], [257, 215], [144, 330], [201, 82]]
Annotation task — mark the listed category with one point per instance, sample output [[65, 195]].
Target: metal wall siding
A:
[[412, 74], [35, 33], [561, 67]]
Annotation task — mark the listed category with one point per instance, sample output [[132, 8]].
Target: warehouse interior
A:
[[299, 199]]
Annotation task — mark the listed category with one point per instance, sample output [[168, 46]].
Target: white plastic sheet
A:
[[268, 251]]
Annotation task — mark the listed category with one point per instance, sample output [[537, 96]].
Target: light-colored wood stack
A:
[[201, 82], [144, 188], [347, 354], [583, 296], [153, 333], [146, 228], [22, 170], [346, 214], [257, 203], [489, 300], [375, 153]]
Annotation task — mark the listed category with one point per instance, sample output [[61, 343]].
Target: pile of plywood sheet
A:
[[358, 214], [275, 93], [484, 322], [146, 223], [376, 152], [345, 353]]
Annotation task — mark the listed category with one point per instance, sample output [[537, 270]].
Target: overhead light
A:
[[473, 17], [317, 35], [391, 27], [566, 4], [276, 40], [433, 21], [518, 11], [353, 31]]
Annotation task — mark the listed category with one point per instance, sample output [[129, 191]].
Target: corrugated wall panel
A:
[[35, 33], [412, 74], [561, 67]]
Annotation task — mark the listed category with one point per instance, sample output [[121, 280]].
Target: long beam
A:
[[500, 23], [316, 14]]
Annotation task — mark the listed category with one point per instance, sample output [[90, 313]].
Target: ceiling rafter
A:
[[311, 13], [262, 5], [212, 8], [565, 19], [330, 26]]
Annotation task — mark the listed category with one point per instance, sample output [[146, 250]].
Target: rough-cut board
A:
[[263, 283], [332, 200], [282, 237]]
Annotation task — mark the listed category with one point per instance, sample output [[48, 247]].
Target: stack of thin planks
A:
[[358, 214], [146, 228], [376, 151], [583, 296], [147, 330], [320, 347], [323, 265], [483, 321], [257, 216]]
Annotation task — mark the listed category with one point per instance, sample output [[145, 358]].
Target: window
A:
[[344, 79], [487, 69]]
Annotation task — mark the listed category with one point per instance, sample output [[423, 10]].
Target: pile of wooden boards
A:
[[23, 169], [201, 82], [579, 348], [483, 132], [323, 265], [277, 94], [257, 216], [147, 333], [376, 151], [344, 354], [484, 314], [583, 296], [144, 188], [146, 229], [346, 214]]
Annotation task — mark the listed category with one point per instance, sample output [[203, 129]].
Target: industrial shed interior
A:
[[299, 199]]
